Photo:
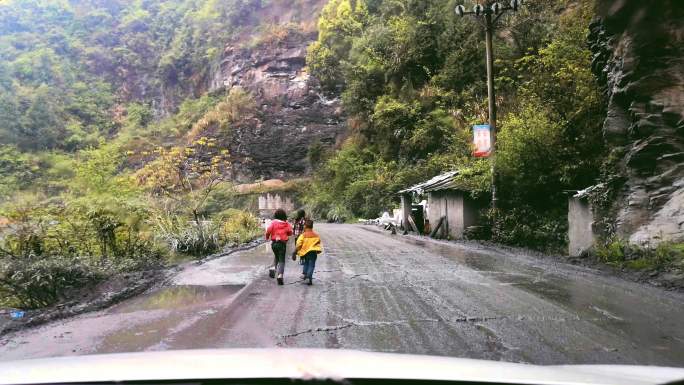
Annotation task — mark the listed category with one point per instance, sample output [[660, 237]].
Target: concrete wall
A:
[[405, 211], [454, 201], [450, 205], [435, 209], [270, 202], [580, 221]]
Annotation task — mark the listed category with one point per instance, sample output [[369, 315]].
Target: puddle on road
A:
[[177, 297], [545, 288], [233, 269], [139, 337], [256, 253], [154, 320], [182, 306]]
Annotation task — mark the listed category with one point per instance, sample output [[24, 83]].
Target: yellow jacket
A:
[[308, 241]]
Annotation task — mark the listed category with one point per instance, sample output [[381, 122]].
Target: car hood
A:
[[315, 364]]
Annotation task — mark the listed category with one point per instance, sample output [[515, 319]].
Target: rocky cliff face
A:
[[293, 112], [639, 57]]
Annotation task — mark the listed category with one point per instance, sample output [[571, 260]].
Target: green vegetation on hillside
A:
[[72, 73], [412, 76], [127, 204], [107, 164]]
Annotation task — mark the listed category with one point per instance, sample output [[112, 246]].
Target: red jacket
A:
[[278, 230]]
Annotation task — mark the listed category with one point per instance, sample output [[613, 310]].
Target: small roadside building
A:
[[267, 196], [449, 209], [270, 202]]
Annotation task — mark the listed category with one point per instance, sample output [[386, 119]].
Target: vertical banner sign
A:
[[481, 140]]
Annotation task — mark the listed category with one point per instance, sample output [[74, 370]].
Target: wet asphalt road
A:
[[377, 292]]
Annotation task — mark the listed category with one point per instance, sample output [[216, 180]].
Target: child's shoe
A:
[[271, 272], [280, 279], [310, 282]]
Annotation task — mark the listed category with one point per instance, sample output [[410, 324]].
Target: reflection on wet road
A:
[[622, 308], [189, 307], [377, 292], [177, 297]]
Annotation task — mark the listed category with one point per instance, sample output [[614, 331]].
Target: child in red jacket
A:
[[278, 232]]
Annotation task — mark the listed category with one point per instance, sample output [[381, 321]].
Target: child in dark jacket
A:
[[278, 232], [308, 248], [299, 221]]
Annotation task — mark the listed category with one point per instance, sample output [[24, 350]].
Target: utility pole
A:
[[489, 31], [490, 13]]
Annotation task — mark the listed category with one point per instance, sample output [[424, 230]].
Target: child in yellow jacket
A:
[[308, 248]]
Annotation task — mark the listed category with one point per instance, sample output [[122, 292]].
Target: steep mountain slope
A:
[[639, 58], [76, 74], [294, 114]]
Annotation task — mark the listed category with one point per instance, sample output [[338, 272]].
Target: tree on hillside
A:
[[412, 77], [187, 175]]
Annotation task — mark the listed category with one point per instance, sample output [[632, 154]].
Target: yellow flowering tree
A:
[[187, 174]]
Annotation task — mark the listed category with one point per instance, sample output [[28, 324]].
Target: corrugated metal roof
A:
[[440, 182]]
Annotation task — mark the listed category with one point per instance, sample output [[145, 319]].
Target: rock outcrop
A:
[[293, 113], [638, 52]]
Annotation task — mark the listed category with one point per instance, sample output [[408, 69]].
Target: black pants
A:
[[278, 248]]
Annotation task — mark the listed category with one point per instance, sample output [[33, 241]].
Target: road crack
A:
[[350, 322], [473, 319], [318, 330], [390, 323]]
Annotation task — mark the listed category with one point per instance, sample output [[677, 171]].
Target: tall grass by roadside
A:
[[49, 249], [620, 253]]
